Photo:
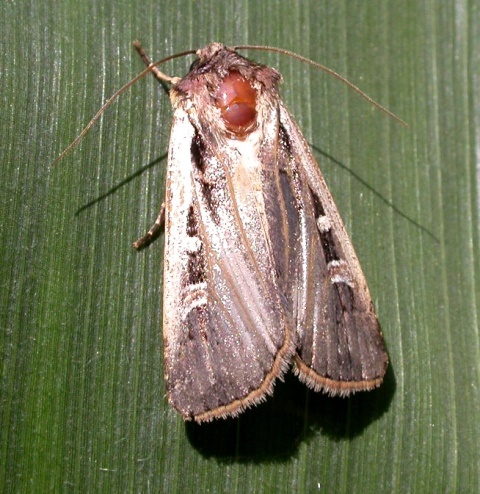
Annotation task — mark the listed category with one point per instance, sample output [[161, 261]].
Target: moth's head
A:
[[230, 83], [209, 51]]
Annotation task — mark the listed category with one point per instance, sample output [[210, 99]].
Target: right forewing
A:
[[340, 346]]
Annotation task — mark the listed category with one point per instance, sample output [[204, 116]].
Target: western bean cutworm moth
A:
[[259, 270]]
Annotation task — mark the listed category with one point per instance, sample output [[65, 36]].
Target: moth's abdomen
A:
[[237, 99]]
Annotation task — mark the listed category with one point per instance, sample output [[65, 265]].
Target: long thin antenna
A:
[[172, 80], [328, 71], [142, 74]]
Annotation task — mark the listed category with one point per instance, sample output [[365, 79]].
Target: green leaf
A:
[[82, 402]]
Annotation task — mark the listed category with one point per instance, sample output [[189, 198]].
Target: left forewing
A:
[[226, 329]]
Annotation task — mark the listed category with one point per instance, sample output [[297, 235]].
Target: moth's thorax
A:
[[236, 98], [227, 89]]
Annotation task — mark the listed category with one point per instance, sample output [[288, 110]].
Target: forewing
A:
[[340, 345], [226, 330]]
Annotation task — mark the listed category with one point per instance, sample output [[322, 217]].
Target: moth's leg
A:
[[158, 74], [153, 232]]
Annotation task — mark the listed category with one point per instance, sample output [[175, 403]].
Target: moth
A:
[[259, 272]]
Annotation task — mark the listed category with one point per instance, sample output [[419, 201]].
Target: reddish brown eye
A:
[[236, 98]]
